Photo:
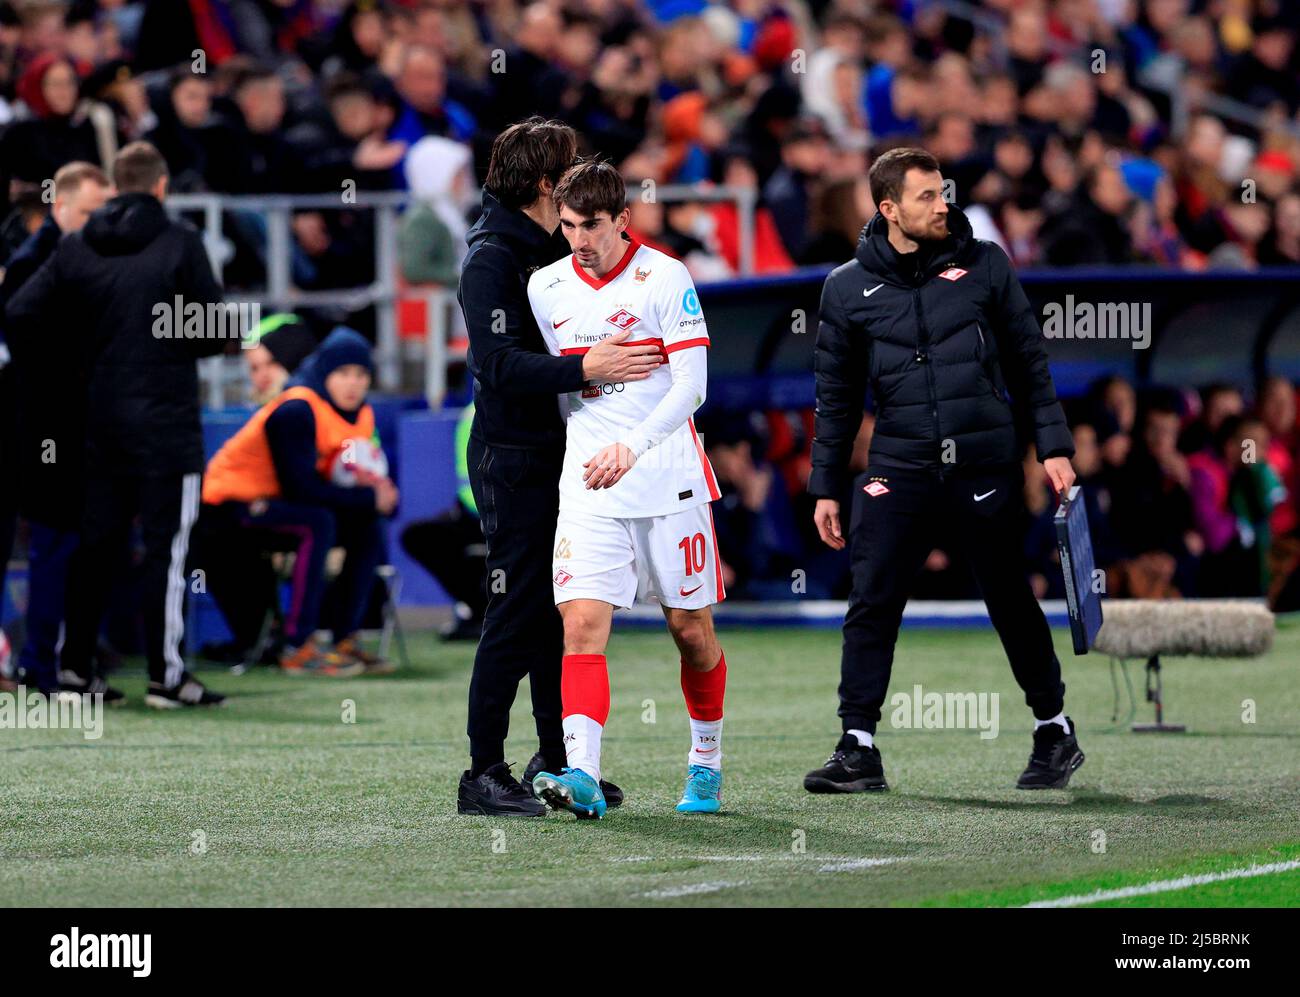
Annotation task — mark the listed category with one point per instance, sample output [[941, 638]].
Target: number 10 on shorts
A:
[[693, 552]]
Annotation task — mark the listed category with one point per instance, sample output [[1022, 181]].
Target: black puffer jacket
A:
[[941, 336], [95, 298], [516, 380]]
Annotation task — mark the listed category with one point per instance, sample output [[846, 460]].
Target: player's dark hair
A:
[[137, 168], [890, 169], [524, 155], [589, 187]]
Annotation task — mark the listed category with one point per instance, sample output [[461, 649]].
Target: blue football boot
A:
[[703, 793], [572, 790]]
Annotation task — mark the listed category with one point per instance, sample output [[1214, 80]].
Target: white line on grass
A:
[[1165, 885], [691, 889], [830, 863], [849, 865]]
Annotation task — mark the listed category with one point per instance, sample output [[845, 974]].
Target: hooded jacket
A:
[[952, 352], [516, 380], [99, 294]]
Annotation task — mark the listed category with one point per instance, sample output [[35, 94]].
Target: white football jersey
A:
[[651, 296]]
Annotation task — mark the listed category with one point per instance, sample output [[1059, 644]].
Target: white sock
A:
[[706, 744], [582, 743], [1058, 719], [864, 738]]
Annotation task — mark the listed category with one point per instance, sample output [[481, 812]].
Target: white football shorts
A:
[[673, 559]]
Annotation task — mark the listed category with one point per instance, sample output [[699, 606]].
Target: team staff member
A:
[[515, 452], [50, 389], [936, 323], [271, 482], [144, 441]]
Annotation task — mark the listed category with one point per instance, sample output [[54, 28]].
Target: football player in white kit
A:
[[636, 486]]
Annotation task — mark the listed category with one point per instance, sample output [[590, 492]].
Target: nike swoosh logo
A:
[[558, 324], [867, 294], [683, 592], [981, 498]]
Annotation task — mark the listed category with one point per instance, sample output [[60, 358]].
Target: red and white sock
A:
[[584, 692], [704, 693]]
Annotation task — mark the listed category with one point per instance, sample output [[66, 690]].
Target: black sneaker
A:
[[1054, 759], [190, 692], [538, 763], [72, 684], [851, 769], [496, 793]]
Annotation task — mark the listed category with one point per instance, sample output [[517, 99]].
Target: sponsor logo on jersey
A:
[[623, 319], [876, 489], [641, 275], [563, 549], [953, 273], [562, 321], [562, 577], [691, 302]]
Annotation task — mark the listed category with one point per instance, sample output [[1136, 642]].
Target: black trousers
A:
[[518, 499], [890, 535], [168, 505]]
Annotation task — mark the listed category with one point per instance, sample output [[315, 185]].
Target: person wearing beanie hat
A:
[[283, 343], [304, 474]]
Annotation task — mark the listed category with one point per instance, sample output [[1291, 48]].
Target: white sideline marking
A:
[[1165, 885], [691, 890], [848, 865], [831, 863]]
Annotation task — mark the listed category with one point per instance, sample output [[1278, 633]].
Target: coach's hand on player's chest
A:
[[607, 468]]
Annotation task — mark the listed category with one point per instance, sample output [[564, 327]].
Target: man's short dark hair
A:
[[589, 187], [346, 84], [180, 75], [524, 155], [137, 168], [888, 172]]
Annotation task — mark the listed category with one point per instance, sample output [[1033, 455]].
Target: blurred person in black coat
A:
[[48, 384], [144, 453]]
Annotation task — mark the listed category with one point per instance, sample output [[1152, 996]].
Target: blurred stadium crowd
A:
[[1188, 493], [1158, 133], [1074, 131]]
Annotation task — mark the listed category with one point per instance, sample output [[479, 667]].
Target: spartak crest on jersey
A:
[[623, 319]]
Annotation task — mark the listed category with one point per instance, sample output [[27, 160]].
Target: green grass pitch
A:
[[275, 800]]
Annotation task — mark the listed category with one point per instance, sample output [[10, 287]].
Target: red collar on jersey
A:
[[619, 267]]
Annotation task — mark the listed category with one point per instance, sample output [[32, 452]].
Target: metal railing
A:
[[221, 374]]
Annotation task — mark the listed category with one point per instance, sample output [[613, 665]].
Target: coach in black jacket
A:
[[114, 286], [515, 453], [936, 324]]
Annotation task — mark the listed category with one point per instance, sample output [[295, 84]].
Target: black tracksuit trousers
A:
[[168, 505], [892, 532], [517, 492]]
